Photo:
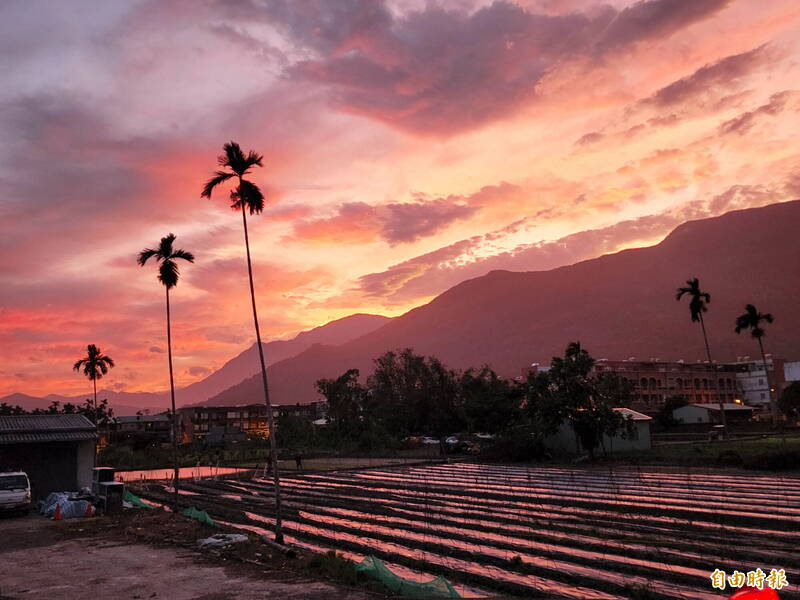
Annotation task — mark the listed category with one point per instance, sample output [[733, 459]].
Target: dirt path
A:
[[68, 560]]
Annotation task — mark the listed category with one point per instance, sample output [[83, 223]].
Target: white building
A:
[[791, 371], [709, 413], [758, 384], [566, 441]]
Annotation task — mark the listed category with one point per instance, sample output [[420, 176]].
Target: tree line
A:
[[408, 394]]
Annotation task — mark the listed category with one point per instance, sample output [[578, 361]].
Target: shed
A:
[[56, 451]]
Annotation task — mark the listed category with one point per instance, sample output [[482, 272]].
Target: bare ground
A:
[[145, 555]]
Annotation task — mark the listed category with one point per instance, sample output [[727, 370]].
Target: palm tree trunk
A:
[[174, 420], [772, 406], [722, 416], [94, 408], [270, 421]]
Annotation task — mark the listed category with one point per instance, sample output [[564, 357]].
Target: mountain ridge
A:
[[618, 305]]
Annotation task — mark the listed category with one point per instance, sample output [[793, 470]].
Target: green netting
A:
[[435, 588], [200, 515], [135, 500]]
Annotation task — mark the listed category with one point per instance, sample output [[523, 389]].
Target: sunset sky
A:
[[408, 145]]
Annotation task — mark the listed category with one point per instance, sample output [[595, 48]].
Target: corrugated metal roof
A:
[[19, 429], [56, 436]]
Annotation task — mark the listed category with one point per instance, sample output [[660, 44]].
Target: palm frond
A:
[[254, 159], [146, 255], [250, 195], [165, 246], [108, 360], [234, 158], [77, 366], [218, 178], [184, 254], [768, 317], [168, 273]]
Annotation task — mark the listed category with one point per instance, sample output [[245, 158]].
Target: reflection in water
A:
[[183, 473]]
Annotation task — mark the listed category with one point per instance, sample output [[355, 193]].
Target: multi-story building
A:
[[759, 384], [195, 422], [140, 429], [654, 381]]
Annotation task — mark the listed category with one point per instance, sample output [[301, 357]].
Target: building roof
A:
[[25, 429], [142, 419], [726, 406], [629, 413]]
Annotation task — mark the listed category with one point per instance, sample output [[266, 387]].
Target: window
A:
[[760, 381], [763, 396]]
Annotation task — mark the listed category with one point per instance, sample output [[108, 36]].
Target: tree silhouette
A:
[[698, 304], [168, 274], [247, 197], [751, 320], [94, 365]]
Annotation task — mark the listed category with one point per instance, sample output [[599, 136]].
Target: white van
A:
[[15, 492]]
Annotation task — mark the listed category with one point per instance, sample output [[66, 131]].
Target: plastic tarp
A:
[[70, 509], [222, 540], [435, 588], [200, 515], [134, 500]]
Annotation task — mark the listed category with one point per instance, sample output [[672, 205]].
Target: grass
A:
[[771, 453]]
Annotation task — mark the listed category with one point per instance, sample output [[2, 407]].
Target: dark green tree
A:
[[789, 402], [664, 415], [295, 433], [94, 365], [345, 397], [9, 410], [166, 256], [698, 304], [490, 404], [752, 320], [412, 394], [246, 196], [571, 392]]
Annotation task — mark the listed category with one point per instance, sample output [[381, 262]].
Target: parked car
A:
[[429, 440], [452, 440], [15, 492]]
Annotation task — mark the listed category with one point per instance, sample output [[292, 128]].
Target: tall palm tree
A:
[[168, 274], [94, 366], [752, 320], [698, 304], [247, 197]]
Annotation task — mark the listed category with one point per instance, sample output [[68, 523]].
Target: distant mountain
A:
[[232, 372], [246, 364], [618, 306], [123, 403]]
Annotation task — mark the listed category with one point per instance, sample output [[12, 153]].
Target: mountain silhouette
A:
[[618, 306]]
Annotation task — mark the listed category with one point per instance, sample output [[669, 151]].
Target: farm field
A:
[[534, 531]]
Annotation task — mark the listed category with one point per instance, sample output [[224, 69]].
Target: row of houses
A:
[[744, 382], [209, 424]]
